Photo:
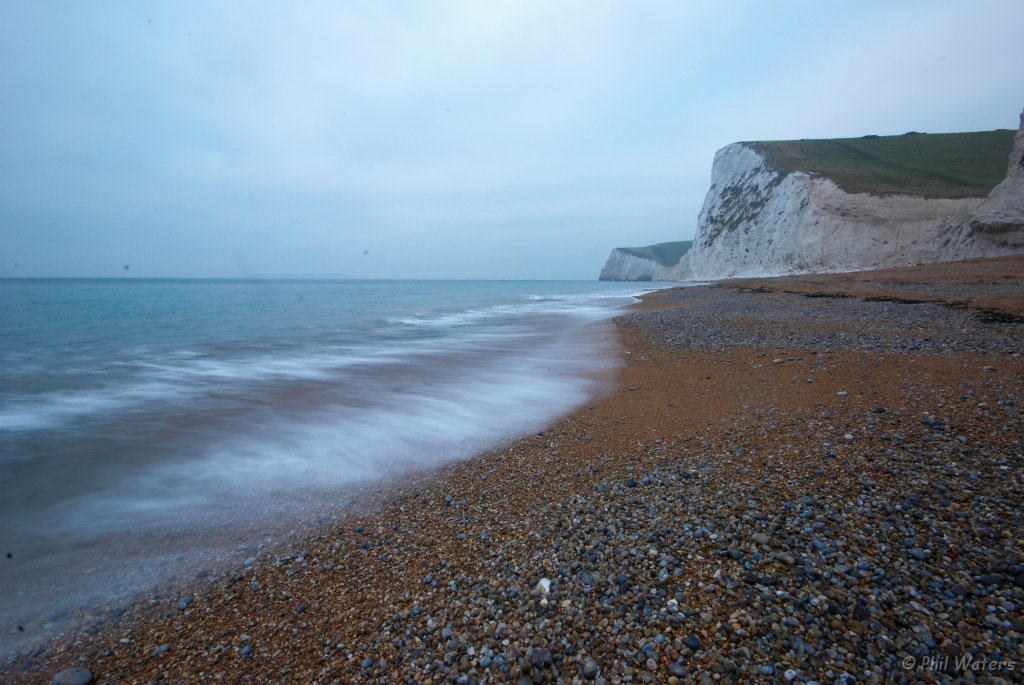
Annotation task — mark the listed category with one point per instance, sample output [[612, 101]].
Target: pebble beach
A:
[[806, 480]]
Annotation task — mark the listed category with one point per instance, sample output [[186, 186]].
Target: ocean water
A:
[[148, 426]]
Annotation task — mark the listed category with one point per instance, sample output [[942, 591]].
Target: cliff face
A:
[[760, 221], [623, 266], [650, 263], [997, 226], [763, 217]]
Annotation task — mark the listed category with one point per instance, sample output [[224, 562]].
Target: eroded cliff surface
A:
[[997, 226], [857, 204], [650, 263], [622, 266]]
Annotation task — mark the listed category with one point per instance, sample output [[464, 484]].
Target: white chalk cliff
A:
[[624, 266], [650, 263], [997, 226], [760, 220]]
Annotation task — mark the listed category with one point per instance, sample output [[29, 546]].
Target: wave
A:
[[210, 429], [49, 410], [424, 425], [583, 305], [189, 374], [150, 384]]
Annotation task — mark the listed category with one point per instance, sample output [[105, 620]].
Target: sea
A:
[[152, 428]]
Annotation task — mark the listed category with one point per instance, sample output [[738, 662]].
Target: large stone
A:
[[72, 676], [539, 657], [590, 668]]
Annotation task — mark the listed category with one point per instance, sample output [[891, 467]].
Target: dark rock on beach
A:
[[72, 676]]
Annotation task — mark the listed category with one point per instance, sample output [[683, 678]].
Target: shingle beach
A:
[[800, 480]]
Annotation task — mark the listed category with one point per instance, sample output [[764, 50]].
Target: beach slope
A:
[[814, 478]]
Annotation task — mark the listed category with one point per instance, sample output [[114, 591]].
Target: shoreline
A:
[[437, 395], [668, 514]]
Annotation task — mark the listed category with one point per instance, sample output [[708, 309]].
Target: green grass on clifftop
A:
[[666, 254], [949, 165]]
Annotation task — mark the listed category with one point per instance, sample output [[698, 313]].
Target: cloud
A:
[[270, 129], [934, 66], [465, 84]]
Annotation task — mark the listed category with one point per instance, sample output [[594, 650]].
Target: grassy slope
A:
[[666, 254], [934, 165]]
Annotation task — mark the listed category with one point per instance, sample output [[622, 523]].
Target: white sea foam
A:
[[591, 305], [52, 409], [160, 382], [420, 426], [190, 439], [189, 374]]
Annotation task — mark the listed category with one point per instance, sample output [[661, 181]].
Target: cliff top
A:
[[666, 254], [951, 165]]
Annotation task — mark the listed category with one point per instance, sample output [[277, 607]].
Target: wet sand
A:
[[787, 482]]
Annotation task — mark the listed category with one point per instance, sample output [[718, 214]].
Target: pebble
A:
[[540, 657], [737, 552], [72, 676]]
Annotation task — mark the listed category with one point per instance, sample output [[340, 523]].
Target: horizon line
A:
[[274, 278]]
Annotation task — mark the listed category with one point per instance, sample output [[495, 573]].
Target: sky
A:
[[442, 139]]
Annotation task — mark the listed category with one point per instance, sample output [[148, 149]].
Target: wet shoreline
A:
[[779, 488]]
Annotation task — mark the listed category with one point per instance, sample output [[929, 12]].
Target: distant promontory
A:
[[650, 263]]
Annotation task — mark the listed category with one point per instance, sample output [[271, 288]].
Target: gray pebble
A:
[[72, 676], [590, 668]]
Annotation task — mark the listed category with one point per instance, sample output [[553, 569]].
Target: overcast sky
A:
[[483, 139]]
